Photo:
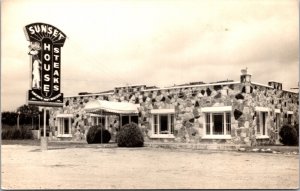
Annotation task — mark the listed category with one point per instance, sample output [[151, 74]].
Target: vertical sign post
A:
[[45, 61]]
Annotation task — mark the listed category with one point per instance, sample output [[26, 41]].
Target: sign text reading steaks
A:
[[45, 48]]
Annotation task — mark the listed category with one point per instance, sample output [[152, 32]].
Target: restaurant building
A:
[[233, 112]]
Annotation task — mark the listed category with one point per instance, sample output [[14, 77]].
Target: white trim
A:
[[191, 86], [162, 111], [265, 109], [261, 85], [290, 91], [156, 89], [132, 86], [262, 137], [64, 135], [216, 109], [290, 112], [277, 110], [168, 136], [216, 137], [94, 115], [89, 95], [64, 115]]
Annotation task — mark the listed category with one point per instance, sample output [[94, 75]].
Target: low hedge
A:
[[12, 133]]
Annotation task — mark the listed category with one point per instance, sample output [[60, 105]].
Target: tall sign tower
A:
[[45, 61]]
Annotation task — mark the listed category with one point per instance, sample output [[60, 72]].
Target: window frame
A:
[[208, 115], [260, 124], [129, 116], [290, 117], [277, 120], [61, 125], [97, 117], [156, 123], [225, 134]]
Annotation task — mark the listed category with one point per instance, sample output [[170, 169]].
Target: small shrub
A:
[[98, 134], [288, 135], [130, 136]]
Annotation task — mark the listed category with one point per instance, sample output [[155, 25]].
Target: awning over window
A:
[[102, 106], [216, 109], [64, 115]]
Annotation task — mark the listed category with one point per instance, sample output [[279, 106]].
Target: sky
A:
[[156, 43]]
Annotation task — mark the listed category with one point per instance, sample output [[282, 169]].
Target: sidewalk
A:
[[195, 146], [227, 147], [275, 149], [272, 149]]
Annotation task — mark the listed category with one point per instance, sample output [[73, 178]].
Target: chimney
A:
[[275, 85], [246, 80]]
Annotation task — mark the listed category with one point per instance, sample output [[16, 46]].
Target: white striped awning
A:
[[98, 106]]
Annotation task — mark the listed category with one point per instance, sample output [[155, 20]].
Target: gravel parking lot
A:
[[27, 167]]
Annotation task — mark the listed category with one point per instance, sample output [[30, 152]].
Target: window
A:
[[208, 124], [228, 123], [277, 120], [64, 125], [98, 119], [289, 117], [217, 122], [125, 119], [277, 124], [162, 123], [261, 122]]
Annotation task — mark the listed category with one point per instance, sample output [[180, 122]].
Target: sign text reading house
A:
[[44, 49]]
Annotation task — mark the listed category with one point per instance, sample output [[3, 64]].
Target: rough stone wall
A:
[[188, 117]]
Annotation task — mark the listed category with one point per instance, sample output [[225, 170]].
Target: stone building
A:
[[236, 112]]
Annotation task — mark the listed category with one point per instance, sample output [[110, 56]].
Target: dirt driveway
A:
[[26, 167]]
